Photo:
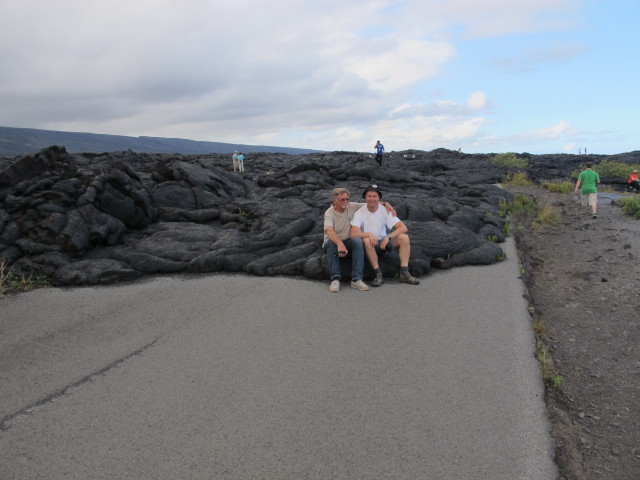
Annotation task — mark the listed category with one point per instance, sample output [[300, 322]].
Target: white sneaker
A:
[[335, 286], [360, 285]]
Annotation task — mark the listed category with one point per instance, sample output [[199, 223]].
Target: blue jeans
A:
[[356, 251]]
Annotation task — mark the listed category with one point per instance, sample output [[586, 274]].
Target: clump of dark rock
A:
[[102, 218]]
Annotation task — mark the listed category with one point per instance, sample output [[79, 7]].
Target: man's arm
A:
[[578, 183], [333, 236], [398, 229], [356, 232]]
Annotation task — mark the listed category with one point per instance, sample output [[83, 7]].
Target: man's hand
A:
[[384, 243], [390, 209], [342, 250], [372, 239]]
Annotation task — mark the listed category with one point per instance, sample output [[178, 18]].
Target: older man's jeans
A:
[[356, 252]]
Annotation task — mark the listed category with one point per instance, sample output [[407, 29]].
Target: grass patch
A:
[[631, 206], [528, 211], [509, 159], [519, 179], [244, 213], [11, 282], [521, 203], [559, 187], [549, 373], [546, 214]]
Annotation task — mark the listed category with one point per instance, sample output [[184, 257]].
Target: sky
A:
[[490, 76]]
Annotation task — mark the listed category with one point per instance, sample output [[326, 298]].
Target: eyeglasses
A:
[[343, 199]]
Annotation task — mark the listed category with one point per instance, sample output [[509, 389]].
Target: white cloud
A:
[[477, 100], [570, 147], [490, 18], [560, 128], [323, 74], [403, 63], [533, 59]]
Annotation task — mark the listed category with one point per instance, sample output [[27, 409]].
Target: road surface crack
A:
[[5, 422]]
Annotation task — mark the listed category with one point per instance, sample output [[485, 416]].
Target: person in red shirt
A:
[[633, 181]]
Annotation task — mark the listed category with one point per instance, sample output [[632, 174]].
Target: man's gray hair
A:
[[339, 191]]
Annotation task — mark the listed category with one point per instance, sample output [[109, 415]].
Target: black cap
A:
[[371, 188]]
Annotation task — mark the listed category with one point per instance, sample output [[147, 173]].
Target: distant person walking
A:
[[241, 162], [234, 157], [379, 152], [586, 185]]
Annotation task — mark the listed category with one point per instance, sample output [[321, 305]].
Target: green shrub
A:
[[519, 179], [611, 169], [631, 207], [523, 203], [535, 213], [11, 282], [558, 187], [509, 160], [615, 169]]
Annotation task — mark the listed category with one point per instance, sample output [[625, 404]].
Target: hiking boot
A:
[[377, 281], [360, 285], [408, 278], [335, 286]]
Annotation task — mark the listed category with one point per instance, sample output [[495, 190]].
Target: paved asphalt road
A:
[[236, 377]]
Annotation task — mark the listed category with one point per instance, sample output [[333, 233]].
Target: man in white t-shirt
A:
[[372, 224], [338, 245]]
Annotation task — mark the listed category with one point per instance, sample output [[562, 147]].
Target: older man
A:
[[371, 224], [337, 243]]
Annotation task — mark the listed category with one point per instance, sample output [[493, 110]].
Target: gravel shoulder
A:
[[582, 277]]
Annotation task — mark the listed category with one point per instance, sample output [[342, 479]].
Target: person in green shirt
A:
[[586, 185]]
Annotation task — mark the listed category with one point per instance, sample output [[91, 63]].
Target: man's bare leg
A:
[[404, 249], [371, 254]]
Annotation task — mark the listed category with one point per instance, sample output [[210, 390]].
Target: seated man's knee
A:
[[356, 244], [330, 247], [404, 238]]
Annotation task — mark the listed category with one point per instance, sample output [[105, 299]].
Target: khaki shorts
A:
[[589, 199]]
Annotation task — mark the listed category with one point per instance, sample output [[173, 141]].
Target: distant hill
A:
[[19, 141]]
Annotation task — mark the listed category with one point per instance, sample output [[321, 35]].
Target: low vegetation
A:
[[611, 169], [559, 187], [509, 160], [549, 373], [631, 206], [531, 211], [11, 282], [519, 179]]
